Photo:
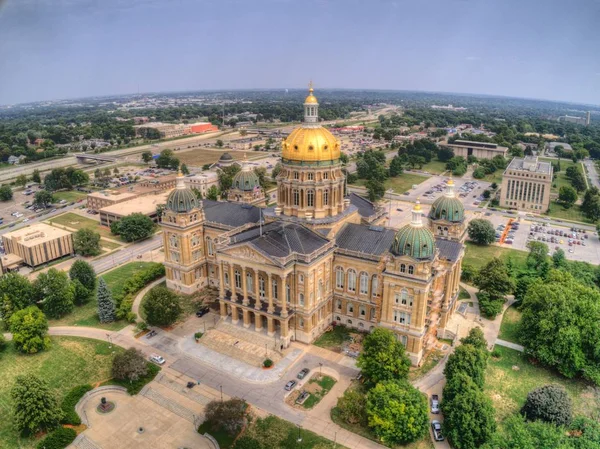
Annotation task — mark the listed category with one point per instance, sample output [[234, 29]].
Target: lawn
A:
[[509, 329], [435, 167], [68, 363], [511, 376], [560, 178], [70, 196], [334, 338], [109, 245], [478, 256], [87, 314], [463, 294], [76, 222], [202, 156], [572, 214], [399, 184], [494, 177], [318, 386]]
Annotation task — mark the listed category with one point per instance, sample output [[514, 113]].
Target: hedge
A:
[[58, 439], [134, 284], [70, 401]]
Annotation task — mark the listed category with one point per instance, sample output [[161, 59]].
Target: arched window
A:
[[274, 287], [351, 280], [226, 277], [249, 282], [320, 290], [210, 246], [311, 176], [402, 268], [349, 322], [300, 278], [374, 286], [339, 277], [411, 269], [174, 241], [238, 279], [310, 198], [364, 284], [326, 197], [349, 308], [301, 299], [288, 293], [296, 197]]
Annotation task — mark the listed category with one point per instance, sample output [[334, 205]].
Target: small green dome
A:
[[245, 180], [447, 208], [416, 242], [182, 200]]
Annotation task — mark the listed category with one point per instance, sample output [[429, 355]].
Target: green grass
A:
[[478, 256], [463, 294], [560, 178], [69, 196], [134, 387], [87, 314], [325, 383], [430, 362], [75, 221], [494, 177], [109, 245], [572, 214], [68, 363], [333, 339], [435, 167], [511, 376], [509, 329], [399, 184]]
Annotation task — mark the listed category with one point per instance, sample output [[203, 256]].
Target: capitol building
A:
[[319, 256]]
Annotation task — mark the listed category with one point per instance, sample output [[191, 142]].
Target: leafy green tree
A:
[[86, 242], [184, 169], [219, 143], [106, 304], [494, 279], [16, 293], [444, 154], [212, 193], [162, 307], [518, 434], [475, 338], [133, 227], [29, 328], [469, 360], [469, 273], [58, 438], [537, 259], [129, 365], [383, 357], [567, 195], [261, 172], [481, 231], [397, 412], [275, 171], [84, 273], [226, 175], [479, 173], [375, 189], [54, 292], [81, 295], [559, 259], [549, 403], [6, 193], [352, 407], [590, 205], [396, 167], [43, 198], [35, 407], [229, 416], [344, 158], [35, 177], [21, 180], [147, 157], [167, 159]]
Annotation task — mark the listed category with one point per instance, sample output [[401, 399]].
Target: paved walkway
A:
[[135, 307], [508, 344]]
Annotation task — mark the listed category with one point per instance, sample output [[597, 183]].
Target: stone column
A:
[[234, 314], [244, 286], [284, 311], [223, 309], [448, 286], [246, 318], [270, 326], [232, 282], [271, 309], [257, 304], [222, 280], [284, 328], [257, 322]]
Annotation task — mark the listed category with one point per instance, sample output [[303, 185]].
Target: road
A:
[[128, 254], [592, 173], [38, 219]]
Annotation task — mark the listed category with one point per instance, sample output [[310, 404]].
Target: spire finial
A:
[[416, 215], [310, 87], [180, 180]]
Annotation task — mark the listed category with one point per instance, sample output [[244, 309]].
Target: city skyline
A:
[[65, 49]]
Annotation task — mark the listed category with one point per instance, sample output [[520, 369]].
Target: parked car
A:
[[290, 385], [202, 311], [435, 404], [436, 427], [159, 360], [302, 374]]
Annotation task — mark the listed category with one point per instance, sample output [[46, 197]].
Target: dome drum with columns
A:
[[414, 240], [447, 214], [245, 187]]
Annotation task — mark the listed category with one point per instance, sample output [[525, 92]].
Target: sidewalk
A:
[[508, 344], [135, 307]]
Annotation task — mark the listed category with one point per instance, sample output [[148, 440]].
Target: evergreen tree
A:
[[106, 305]]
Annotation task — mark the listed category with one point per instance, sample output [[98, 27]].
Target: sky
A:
[[55, 49]]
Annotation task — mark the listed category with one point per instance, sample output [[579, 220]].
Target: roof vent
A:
[[376, 228]]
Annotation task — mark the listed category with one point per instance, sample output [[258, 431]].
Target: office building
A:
[[37, 244], [526, 185], [481, 150]]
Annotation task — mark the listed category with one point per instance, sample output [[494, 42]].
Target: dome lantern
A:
[[311, 107], [448, 207]]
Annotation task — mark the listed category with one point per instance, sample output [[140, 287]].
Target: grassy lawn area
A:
[[511, 376], [68, 363], [478, 256], [318, 386], [109, 245], [69, 196], [509, 328], [560, 179], [75, 221], [494, 177], [463, 294], [87, 314], [434, 166], [334, 338], [572, 214], [399, 184]]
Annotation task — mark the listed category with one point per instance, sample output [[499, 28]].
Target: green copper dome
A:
[[447, 208], [414, 240], [245, 180], [182, 199]]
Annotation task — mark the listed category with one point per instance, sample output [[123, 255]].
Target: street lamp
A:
[[320, 369], [299, 440]]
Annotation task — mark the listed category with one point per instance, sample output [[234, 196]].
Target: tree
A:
[[469, 360], [397, 412], [479, 173], [86, 242], [129, 365], [229, 416], [35, 177], [493, 186], [219, 143], [29, 327], [375, 189], [212, 193], [444, 154], [21, 180], [184, 169], [486, 194], [537, 259], [576, 177], [226, 175], [43, 198], [396, 167], [16, 293], [469, 420], [275, 171], [494, 279], [567, 195], [475, 338], [147, 157], [261, 172], [590, 205], [84, 273], [35, 407], [6, 193], [383, 357], [352, 407], [549, 403], [54, 292], [162, 307], [133, 227], [344, 159], [106, 305], [166, 159], [559, 259], [481, 231]]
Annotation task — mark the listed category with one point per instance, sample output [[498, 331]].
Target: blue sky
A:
[[51, 49]]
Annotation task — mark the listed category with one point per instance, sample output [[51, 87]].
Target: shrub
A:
[[129, 365], [496, 353], [58, 439], [490, 307], [141, 326], [268, 363], [198, 335], [162, 306], [69, 402], [228, 415], [352, 407], [245, 442], [131, 317], [2, 343], [549, 403]]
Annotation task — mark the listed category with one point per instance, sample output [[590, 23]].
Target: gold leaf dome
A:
[[311, 145], [311, 99]]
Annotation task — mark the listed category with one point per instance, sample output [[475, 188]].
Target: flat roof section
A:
[[144, 205], [530, 164], [36, 234]]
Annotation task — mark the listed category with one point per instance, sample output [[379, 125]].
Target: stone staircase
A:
[[170, 405], [241, 333]]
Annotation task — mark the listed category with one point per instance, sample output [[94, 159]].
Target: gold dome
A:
[[311, 145], [311, 99]]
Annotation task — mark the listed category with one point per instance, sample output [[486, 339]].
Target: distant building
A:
[[481, 150], [170, 130], [140, 120], [16, 160], [526, 184], [147, 205], [585, 121], [109, 197], [202, 182], [449, 108], [37, 244]]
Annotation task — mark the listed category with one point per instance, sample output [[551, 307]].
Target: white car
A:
[[159, 360]]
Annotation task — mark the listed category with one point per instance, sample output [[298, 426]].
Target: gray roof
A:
[[553, 145], [448, 249], [530, 164], [281, 239], [230, 214], [374, 240], [365, 207]]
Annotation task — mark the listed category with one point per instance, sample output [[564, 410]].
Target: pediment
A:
[[246, 252]]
